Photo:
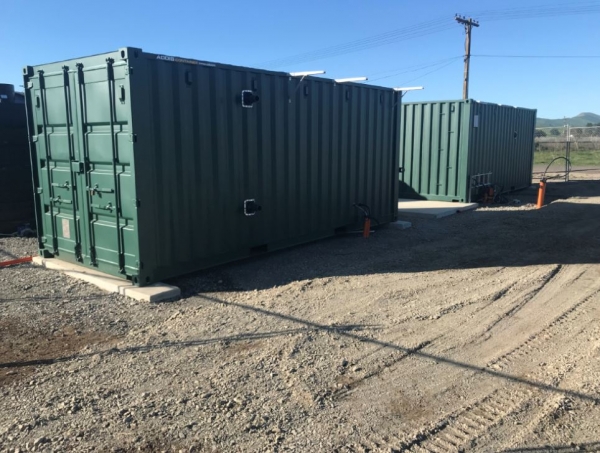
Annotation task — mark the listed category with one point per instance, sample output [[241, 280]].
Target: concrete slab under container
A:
[[153, 293], [432, 209]]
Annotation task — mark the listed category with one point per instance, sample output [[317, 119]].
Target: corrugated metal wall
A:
[[306, 152], [444, 144], [434, 139], [16, 192], [144, 162], [502, 143]]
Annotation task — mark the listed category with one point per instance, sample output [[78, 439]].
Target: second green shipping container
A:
[[454, 150]]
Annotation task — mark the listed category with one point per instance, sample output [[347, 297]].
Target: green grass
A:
[[578, 158]]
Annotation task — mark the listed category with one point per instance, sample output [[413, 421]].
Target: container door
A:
[[106, 147], [59, 164]]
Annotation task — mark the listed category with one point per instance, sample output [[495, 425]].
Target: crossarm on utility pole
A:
[[469, 24]]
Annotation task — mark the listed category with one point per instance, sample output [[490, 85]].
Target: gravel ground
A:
[[476, 332]]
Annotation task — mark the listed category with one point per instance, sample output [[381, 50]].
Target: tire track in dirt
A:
[[545, 276], [547, 279], [554, 406], [549, 407], [547, 333], [486, 300], [495, 294], [350, 383], [489, 298], [427, 291], [459, 430]]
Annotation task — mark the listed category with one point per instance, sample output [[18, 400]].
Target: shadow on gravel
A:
[[417, 351], [54, 299], [341, 330], [19, 341], [226, 341], [591, 446], [560, 233]]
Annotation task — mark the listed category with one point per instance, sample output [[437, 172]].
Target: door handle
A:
[[66, 185], [97, 189], [108, 207], [60, 200]]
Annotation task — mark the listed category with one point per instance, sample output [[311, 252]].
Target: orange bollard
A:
[[367, 228], [541, 194]]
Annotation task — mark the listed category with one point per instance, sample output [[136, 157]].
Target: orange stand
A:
[[541, 194], [367, 228]]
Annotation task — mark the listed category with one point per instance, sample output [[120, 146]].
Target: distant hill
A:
[[578, 121]]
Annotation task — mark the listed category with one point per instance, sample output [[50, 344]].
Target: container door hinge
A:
[[137, 203], [133, 138], [79, 67], [29, 85], [401, 170], [93, 256], [39, 190], [78, 252], [34, 139]]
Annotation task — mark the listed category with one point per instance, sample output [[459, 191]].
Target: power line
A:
[[540, 11], [536, 56], [435, 26], [415, 68], [411, 32], [431, 72]]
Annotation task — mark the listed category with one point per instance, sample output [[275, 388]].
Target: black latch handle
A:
[[251, 207]]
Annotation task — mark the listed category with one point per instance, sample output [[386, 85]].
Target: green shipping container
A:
[[16, 194], [453, 150], [151, 166]]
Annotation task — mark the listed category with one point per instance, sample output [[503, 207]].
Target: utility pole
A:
[[468, 23]]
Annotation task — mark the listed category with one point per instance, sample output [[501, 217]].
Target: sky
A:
[[258, 33]]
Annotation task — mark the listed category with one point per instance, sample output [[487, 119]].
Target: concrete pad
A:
[[432, 209], [401, 224], [151, 293]]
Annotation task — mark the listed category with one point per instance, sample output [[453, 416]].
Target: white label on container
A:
[[476, 121], [66, 229]]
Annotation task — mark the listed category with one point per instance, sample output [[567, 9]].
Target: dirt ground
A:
[[476, 332]]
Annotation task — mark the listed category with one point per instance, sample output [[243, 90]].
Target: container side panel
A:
[[304, 151], [500, 143], [17, 200]]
